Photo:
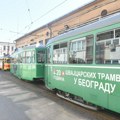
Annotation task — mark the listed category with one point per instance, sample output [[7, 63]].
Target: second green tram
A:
[[28, 63]]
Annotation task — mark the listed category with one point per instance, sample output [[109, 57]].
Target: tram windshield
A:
[[40, 56], [6, 60]]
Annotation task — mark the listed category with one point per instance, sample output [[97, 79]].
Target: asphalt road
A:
[[20, 100]]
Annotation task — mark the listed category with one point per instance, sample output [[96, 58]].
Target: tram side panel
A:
[[32, 71], [92, 84], [40, 70], [84, 63]]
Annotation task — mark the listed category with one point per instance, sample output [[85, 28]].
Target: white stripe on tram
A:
[[83, 66]]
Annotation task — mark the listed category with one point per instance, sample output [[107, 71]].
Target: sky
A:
[[19, 17]]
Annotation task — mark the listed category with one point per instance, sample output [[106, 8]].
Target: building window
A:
[[32, 40], [4, 47], [33, 43], [41, 42], [12, 48], [8, 47]]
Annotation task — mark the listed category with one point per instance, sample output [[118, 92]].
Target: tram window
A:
[[28, 57], [81, 50], [23, 57], [73, 46], [105, 36], [14, 59], [11, 60], [48, 55], [32, 57], [108, 48], [60, 53], [8, 60], [19, 58], [56, 46], [62, 45], [117, 33], [40, 56]]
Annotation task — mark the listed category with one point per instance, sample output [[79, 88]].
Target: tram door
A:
[[41, 62]]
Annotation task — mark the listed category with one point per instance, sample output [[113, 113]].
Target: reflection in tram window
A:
[[81, 50], [60, 53], [108, 47]]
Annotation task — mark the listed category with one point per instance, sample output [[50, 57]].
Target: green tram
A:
[[83, 65], [28, 63]]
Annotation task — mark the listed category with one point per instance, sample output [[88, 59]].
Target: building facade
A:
[[81, 16], [6, 48]]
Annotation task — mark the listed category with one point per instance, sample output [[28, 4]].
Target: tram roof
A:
[[30, 47], [33, 47], [106, 21], [7, 56]]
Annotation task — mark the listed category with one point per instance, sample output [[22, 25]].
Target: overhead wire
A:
[[32, 22], [47, 13], [29, 11]]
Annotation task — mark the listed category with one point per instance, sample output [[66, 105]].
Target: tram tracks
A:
[[98, 114]]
